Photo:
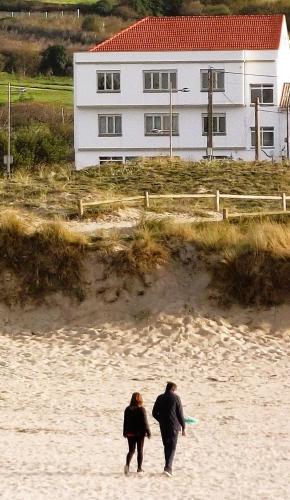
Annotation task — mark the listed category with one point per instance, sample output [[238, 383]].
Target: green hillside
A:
[[56, 90]]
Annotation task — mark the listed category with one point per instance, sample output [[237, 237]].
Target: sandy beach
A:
[[68, 371]]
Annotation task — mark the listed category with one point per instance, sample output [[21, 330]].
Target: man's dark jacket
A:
[[168, 412]]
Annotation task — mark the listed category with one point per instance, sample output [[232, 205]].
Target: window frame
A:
[[262, 86], [110, 159], [160, 72], [108, 90], [215, 71], [215, 115], [262, 130], [107, 116], [161, 132]]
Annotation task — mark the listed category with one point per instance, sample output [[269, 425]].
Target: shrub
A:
[[125, 12], [191, 8], [23, 62], [217, 10], [55, 61], [33, 145], [104, 7]]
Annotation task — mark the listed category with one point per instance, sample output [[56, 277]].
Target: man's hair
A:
[[171, 386]]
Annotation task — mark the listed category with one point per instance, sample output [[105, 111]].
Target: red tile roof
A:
[[197, 33]]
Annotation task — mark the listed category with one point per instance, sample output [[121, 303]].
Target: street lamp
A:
[[9, 158], [184, 89]]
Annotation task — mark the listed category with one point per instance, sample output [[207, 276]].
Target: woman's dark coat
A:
[[135, 422]]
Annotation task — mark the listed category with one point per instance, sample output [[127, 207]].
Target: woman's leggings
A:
[[132, 441]]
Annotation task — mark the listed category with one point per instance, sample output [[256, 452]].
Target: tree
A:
[[142, 7], [55, 61], [104, 7], [172, 8]]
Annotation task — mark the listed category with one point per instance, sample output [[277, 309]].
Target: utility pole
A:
[[170, 120], [210, 115], [9, 132], [257, 130], [287, 125]]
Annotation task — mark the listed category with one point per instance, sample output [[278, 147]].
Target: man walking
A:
[[168, 412]]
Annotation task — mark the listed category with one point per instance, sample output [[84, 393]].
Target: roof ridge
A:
[[120, 33], [213, 16]]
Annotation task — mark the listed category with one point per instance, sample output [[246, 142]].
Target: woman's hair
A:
[[136, 399]]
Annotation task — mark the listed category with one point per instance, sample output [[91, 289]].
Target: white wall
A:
[[242, 68]]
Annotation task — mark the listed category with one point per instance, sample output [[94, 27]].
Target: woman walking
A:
[[135, 429]]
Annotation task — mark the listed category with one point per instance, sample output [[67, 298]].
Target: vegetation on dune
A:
[[54, 190], [48, 259], [249, 263]]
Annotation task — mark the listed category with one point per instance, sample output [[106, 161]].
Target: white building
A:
[[122, 89]]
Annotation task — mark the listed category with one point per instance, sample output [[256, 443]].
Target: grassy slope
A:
[[61, 89], [55, 190]]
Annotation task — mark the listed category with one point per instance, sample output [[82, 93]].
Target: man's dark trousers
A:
[[169, 443]]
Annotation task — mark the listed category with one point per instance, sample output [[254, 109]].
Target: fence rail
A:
[[217, 196]]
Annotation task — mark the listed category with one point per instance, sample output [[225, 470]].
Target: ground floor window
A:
[[218, 124], [267, 137], [159, 124], [111, 159], [130, 158]]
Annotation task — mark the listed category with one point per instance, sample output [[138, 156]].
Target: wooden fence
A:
[[146, 197]]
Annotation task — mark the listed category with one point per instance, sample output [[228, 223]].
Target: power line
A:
[[249, 74]]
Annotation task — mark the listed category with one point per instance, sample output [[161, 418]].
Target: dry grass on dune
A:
[[55, 189], [249, 262], [39, 262], [253, 267], [143, 254]]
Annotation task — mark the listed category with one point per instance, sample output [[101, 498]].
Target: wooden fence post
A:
[[147, 202], [225, 214], [284, 202], [81, 207], [217, 201]]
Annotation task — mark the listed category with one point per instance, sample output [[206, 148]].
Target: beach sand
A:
[[67, 373]]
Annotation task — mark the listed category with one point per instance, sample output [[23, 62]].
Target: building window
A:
[[218, 124], [159, 81], [111, 159], [108, 81], [129, 159], [110, 125], [159, 124], [267, 137], [265, 92], [218, 77]]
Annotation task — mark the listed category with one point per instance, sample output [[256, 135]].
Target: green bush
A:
[[37, 145], [55, 61], [104, 7]]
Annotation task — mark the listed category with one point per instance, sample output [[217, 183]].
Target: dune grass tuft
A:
[[44, 261], [255, 269], [143, 254]]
